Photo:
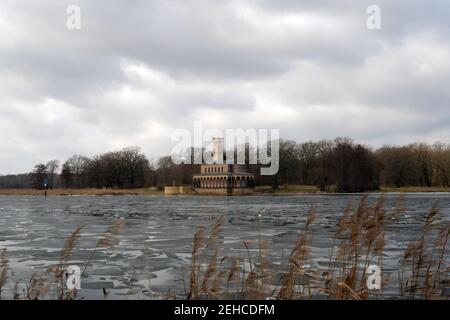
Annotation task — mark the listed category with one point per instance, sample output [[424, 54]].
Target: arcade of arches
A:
[[223, 181]]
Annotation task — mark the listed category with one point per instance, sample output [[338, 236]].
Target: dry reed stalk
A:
[[342, 225], [16, 295], [246, 245], [58, 271], [3, 270], [217, 284], [66, 252], [233, 273], [215, 232], [39, 285], [250, 286], [373, 236], [260, 256], [253, 283], [441, 244], [108, 239], [419, 257], [350, 290], [212, 269], [361, 238], [297, 259], [197, 244]]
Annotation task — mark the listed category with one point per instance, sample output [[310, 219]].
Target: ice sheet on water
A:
[[157, 236]]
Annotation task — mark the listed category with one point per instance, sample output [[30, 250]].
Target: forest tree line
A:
[[350, 167], [339, 165]]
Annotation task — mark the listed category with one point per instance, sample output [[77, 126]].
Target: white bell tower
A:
[[218, 150]]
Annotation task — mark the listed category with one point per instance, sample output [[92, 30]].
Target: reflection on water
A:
[[157, 236]]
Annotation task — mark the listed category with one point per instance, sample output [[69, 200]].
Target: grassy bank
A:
[[87, 192], [414, 189], [290, 189]]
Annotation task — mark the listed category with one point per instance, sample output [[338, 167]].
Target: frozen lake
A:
[[155, 245]]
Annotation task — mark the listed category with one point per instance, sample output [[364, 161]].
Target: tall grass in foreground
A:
[[51, 283], [359, 241], [427, 269]]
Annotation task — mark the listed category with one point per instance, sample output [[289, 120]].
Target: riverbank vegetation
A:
[[81, 192], [260, 190], [339, 165], [359, 241]]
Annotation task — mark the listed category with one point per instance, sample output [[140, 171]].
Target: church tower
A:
[[221, 178]]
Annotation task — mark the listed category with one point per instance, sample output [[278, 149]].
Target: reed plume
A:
[[197, 243], [297, 259], [3, 270]]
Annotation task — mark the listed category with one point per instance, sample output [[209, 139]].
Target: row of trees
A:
[[338, 165], [344, 166], [128, 168], [47, 172], [352, 167], [415, 165]]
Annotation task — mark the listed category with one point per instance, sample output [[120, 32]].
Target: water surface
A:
[[155, 246]]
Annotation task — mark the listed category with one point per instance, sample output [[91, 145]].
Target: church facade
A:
[[223, 179]]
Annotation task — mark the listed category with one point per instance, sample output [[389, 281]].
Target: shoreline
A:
[[259, 191], [80, 192]]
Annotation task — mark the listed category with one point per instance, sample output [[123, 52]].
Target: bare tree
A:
[[52, 167], [339, 164], [78, 168], [39, 174], [66, 175]]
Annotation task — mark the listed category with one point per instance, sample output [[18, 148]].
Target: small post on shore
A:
[[45, 187]]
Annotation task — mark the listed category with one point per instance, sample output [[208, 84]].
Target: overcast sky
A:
[[136, 70]]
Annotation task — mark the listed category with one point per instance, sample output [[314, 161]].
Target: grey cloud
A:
[[214, 59]]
